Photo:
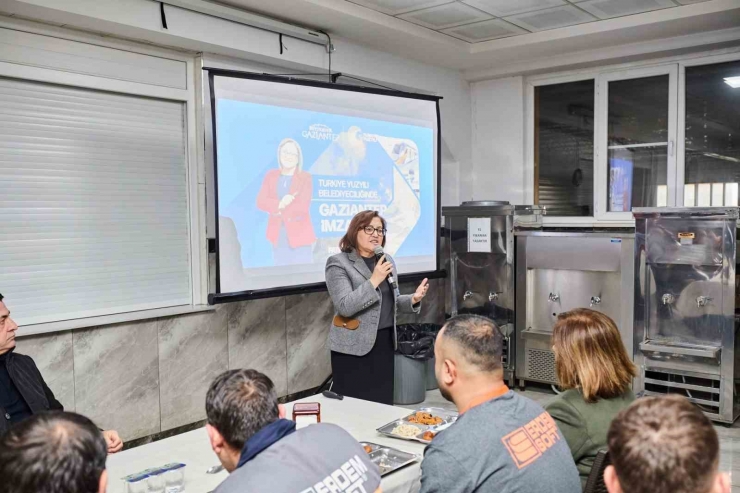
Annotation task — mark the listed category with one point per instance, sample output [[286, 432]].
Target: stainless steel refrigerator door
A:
[[483, 283], [685, 322]]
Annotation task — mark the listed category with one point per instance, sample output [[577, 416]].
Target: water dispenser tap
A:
[[553, 297], [467, 295], [595, 300], [493, 296], [668, 299], [702, 301]]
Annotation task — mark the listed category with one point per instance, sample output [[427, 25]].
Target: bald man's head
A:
[[53, 452], [468, 352], [475, 340]]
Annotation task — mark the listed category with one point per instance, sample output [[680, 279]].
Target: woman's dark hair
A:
[[53, 452], [360, 221]]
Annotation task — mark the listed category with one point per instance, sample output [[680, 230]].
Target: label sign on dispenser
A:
[[479, 234], [686, 238]]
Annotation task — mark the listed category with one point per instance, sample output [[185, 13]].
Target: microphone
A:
[[378, 250]]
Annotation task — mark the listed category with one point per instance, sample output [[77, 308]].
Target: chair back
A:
[[595, 483]]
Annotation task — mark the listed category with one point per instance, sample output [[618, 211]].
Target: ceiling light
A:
[[733, 82]]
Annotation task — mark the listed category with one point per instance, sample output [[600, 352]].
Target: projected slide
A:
[[291, 178]]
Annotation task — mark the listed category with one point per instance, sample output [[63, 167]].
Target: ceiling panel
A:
[[484, 31], [606, 9], [501, 8], [395, 7], [444, 16], [554, 18], [482, 20]]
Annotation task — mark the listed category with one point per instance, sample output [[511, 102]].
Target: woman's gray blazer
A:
[[348, 281]]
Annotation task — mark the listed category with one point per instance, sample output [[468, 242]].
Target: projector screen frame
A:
[[218, 297]]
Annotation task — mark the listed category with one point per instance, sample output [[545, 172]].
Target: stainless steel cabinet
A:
[[482, 282], [685, 306], [559, 271]]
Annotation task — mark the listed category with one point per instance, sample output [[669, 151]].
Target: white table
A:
[[192, 449], [359, 418]]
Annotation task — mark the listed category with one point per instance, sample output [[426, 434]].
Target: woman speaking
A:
[[362, 337]]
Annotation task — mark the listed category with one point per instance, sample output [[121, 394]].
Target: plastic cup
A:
[[156, 483], [136, 483], [174, 478]]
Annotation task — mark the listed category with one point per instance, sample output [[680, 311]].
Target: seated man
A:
[[502, 442], [53, 452], [264, 452], [664, 445], [23, 391]]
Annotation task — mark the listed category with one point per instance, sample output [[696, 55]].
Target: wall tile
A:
[[117, 377], [307, 319], [54, 357], [257, 339], [192, 353]]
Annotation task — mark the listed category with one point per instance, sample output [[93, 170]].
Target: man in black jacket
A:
[[23, 391]]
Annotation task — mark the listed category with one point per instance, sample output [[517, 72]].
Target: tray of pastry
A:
[[420, 426], [388, 459]]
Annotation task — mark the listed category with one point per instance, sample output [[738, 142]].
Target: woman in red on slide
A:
[[286, 196]]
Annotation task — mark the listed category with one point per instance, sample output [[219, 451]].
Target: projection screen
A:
[[295, 160]]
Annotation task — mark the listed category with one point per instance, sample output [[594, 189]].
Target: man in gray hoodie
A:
[[502, 442], [262, 450]]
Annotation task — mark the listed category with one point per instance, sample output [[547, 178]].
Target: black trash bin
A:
[[415, 349]]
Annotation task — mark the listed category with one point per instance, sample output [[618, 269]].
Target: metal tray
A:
[[389, 459], [448, 418]]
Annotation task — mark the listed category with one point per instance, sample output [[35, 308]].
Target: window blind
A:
[[93, 198]]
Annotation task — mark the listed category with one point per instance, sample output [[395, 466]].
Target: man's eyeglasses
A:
[[369, 230]]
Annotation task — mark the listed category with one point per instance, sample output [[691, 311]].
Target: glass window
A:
[[712, 143], [564, 148], [638, 143]]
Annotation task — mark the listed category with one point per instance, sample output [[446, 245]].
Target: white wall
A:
[[455, 107], [498, 139], [140, 20]]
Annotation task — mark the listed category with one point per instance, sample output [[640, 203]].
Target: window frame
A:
[[190, 96], [601, 166], [681, 132], [677, 128], [529, 152]]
